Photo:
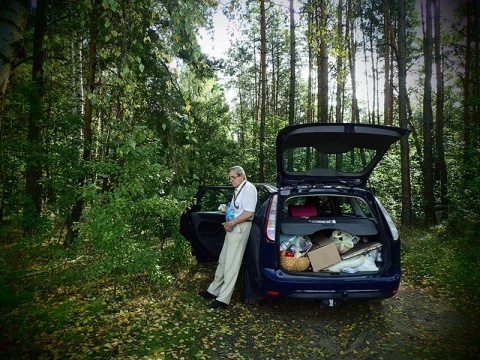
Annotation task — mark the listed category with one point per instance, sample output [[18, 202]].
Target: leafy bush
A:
[[126, 228]]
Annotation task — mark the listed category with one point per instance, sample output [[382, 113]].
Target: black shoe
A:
[[217, 305], [206, 295]]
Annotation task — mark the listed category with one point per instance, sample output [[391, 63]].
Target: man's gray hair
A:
[[238, 170]]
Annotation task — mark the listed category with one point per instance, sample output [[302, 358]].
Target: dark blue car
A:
[[319, 232]]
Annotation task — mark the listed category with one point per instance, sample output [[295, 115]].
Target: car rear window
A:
[[310, 161]]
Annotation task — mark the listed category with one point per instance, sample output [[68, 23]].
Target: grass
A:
[[56, 314]]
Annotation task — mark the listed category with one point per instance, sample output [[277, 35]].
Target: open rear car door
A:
[[201, 224]]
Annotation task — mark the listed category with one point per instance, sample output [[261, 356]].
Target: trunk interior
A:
[[329, 234]]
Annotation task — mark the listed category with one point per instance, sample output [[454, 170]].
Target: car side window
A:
[[212, 198]]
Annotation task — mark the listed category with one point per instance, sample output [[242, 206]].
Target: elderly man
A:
[[239, 214]]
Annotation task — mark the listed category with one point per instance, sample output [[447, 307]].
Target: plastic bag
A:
[[301, 246], [229, 212], [349, 263], [343, 240], [296, 243], [369, 264], [286, 241]]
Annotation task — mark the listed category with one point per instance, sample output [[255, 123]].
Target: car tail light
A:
[[391, 224], [272, 220]]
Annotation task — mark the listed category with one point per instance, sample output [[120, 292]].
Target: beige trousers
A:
[[229, 262]]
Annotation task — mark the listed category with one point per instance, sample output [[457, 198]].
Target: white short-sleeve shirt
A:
[[245, 198]]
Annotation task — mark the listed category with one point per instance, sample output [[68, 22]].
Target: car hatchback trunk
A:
[[330, 235]]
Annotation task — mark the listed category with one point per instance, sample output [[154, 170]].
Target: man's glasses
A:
[[233, 177]]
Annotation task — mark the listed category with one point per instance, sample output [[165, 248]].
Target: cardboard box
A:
[[323, 254]]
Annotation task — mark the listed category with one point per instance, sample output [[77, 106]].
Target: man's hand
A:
[[228, 226]]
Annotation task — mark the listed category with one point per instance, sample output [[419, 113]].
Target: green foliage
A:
[[127, 228], [444, 259], [386, 181]]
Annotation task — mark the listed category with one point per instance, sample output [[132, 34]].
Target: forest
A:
[[112, 114]]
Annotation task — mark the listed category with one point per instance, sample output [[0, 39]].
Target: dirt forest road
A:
[[414, 324]]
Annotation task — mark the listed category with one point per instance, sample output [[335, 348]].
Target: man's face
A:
[[235, 179]]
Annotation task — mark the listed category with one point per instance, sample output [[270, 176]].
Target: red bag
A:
[[307, 210]]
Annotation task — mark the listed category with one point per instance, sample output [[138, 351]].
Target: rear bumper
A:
[[277, 284], [337, 295]]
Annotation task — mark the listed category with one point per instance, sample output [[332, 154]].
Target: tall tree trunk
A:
[[263, 81], [387, 57], [428, 190], [407, 215], [257, 96], [77, 208], [440, 165], [291, 107], [291, 96], [476, 82], [310, 66], [33, 205], [374, 80], [370, 115], [322, 63], [466, 93], [310, 105], [351, 59], [340, 72]]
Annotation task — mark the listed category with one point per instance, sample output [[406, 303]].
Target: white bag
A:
[[343, 240], [349, 263]]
